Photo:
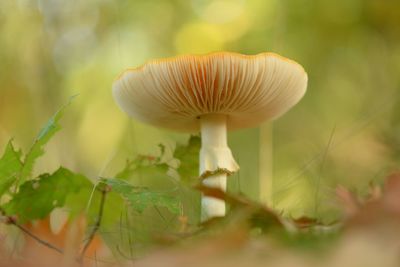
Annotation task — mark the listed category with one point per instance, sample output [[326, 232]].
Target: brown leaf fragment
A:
[[381, 208], [348, 200], [305, 222], [391, 193]]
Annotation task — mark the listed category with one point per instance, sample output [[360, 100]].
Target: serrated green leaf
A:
[[188, 155], [128, 170], [140, 198], [155, 173], [140, 163], [10, 166], [36, 150], [37, 198], [120, 186], [140, 201], [146, 171]]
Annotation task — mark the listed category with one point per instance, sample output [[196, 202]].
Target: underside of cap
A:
[[174, 93]]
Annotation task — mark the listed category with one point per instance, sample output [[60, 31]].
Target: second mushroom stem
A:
[[216, 162]]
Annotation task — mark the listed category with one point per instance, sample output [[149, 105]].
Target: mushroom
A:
[[212, 94]]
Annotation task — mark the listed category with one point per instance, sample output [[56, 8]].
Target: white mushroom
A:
[[212, 94]]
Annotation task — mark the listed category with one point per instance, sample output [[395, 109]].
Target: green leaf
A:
[[140, 163], [133, 166], [140, 198], [38, 197], [88, 200], [10, 166], [45, 134], [154, 175], [188, 155], [147, 171], [128, 170], [140, 201]]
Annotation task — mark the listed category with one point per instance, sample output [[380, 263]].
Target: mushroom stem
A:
[[216, 162]]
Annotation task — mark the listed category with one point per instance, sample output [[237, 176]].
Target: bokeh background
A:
[[345, 131]]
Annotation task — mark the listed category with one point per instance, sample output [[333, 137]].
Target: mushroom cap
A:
[[173, 93]]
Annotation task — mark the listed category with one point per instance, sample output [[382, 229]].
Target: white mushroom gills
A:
[[216, 162]]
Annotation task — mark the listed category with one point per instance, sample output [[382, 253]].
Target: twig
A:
[[38, 239], [96, 225], [12, 221]]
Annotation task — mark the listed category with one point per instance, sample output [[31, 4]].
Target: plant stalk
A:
[[216, 162]]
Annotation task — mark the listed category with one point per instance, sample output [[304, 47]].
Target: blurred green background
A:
[[345, 131]]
